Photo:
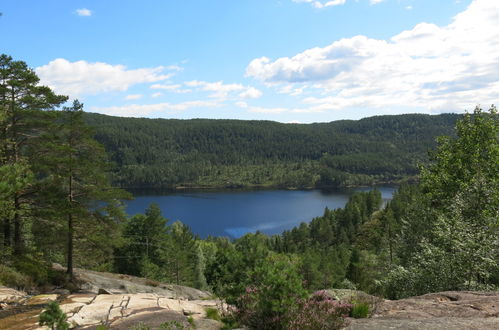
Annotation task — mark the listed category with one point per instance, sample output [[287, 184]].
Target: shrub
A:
[[190, 319], [14, 279], [37, 270], [320, 312], [212, 313], [277, 289], [53, 317], [360, 310]]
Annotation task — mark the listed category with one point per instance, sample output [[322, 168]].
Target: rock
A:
[[58, 267], [41, 299], [103, 291], [444, 310], [441, 323], [92, 282], [10, 296], [207, 324], [61, 291]]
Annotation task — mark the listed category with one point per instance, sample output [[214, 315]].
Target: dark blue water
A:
[[235, 213]]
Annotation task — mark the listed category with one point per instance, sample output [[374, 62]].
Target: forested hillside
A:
[[159, 153]]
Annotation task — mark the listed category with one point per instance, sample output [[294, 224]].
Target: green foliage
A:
[[11, 277], [212, 313], [53, 317], [159, 153], [360, 310], [161, 252], [449, 233], [190, 320], [36, 269], [274, 289], [319, 312]]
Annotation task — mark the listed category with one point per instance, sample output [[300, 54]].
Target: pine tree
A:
[[76, 175], [23, 105]]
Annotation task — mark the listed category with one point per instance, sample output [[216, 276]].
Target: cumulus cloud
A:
[[323, 4], [267, 110], [83, 12], [174, 88], [221, 91], [144, 110], [81, 77], [432, 67], [133, 97], [251, 93]]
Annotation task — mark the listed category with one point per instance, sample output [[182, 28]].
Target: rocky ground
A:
[[116, 301], [122, 301], [435, 311]]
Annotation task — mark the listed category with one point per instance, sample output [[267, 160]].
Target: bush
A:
[[37, 270], [276, 291], [14, 279], [320, 312], [212, 313], [53, 317], [360, 310]]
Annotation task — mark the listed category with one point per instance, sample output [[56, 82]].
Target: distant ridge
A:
[[227, 153]]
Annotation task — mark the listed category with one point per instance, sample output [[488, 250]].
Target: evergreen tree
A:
[[23, 105], [454, 220], [76, 172]]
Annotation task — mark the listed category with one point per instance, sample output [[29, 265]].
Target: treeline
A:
[[160, 153], [438, 235], [57, 205], [56, 201]]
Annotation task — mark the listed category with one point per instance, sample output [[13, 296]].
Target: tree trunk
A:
[[70, 246], [17, 226], [70, 227], [6, 232]]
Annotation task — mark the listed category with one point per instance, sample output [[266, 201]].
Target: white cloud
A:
[[241, 104], [144, 110], [222, 91], [81, 77], [430, 67], [408, 7], [374, 2], [267, 110], [323, 4], [251, 93], [174, 88], [83, 12], [158, 94], [133, 97]]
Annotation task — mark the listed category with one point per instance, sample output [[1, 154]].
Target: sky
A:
[[292, 61]]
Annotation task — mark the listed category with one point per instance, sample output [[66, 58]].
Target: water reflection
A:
[[235, 213]]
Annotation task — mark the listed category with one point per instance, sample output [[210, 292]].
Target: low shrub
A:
[[320, 312], [14, 279], [360, 310], [212, 313], [53, 317], [33, 268]]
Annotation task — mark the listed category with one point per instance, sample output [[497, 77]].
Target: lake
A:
[[234, 213]]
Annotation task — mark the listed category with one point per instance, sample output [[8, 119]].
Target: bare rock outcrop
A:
[[114, 300], [444, 310]]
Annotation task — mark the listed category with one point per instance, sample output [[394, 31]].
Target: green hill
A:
[[167, 153]]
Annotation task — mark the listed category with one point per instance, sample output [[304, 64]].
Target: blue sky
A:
[[283, 60]]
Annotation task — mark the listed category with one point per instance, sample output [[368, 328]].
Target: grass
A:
[[212, 313], [360, 310]]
